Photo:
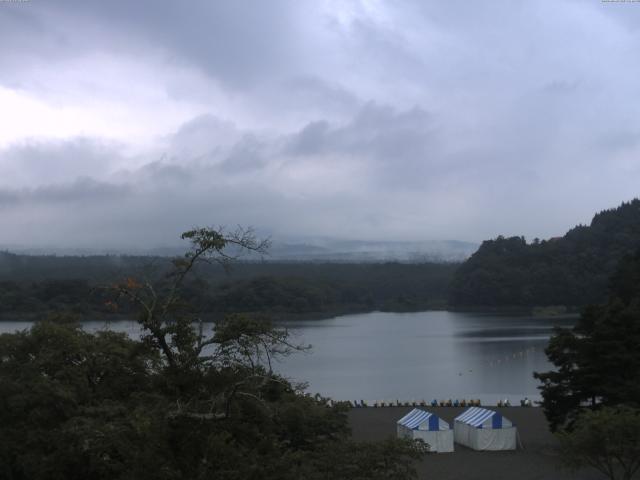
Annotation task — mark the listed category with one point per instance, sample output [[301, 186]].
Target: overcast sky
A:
[[125, 123]]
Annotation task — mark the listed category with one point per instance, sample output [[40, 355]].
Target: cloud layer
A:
[[127, 123]]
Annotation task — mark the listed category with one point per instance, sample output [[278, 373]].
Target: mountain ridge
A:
[[572, 270]]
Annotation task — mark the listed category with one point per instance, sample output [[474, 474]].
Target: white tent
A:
[[483, 429], [428, 427]]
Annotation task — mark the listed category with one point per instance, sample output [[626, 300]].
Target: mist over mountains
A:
[[300, 249], [362, 251]]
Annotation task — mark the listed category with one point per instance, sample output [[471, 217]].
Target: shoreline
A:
[[536, 312]]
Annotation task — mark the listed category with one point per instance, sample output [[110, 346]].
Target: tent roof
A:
[[415, 418], [475, 416]]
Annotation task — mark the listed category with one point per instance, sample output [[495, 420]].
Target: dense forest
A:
[[40, 284], [179, 403], [597, 362], [572, 270]]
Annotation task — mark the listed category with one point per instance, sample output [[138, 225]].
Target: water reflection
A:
[[424, 355]]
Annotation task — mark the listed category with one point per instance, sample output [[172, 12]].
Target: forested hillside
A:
[[572, 270], [39, 284]]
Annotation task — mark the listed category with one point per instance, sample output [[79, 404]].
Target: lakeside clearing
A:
[[536, 461]]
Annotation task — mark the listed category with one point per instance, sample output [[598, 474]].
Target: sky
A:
[[123, 124]]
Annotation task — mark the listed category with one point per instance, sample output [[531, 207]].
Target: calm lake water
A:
[[411, 356]]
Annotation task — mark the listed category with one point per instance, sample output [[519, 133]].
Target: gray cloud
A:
[[50, 161], [420, 120], [202, 136], [377, 130], [83, 191], [236, 42], [400, 148]]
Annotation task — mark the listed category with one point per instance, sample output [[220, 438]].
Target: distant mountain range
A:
[[304, 250], [349, 251]]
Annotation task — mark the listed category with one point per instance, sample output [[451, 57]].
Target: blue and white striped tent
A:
[[428, 427], [483, 429]]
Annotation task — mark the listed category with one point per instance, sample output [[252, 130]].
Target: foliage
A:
[[70, 401], [387, 460], [180, 403], [572, 270], [36, 285], [607, 439], [598, 361]]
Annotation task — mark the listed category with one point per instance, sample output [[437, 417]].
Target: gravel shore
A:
[[537, 460]]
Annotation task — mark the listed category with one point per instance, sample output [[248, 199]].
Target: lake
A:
[[411, 356]]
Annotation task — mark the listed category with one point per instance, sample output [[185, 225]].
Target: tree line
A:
[[36, 285], [572, 271]]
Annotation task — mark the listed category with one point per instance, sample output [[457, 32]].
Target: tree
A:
[[70, 400], [607, 439], [166, 319], [598, 361], [180, 403]]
